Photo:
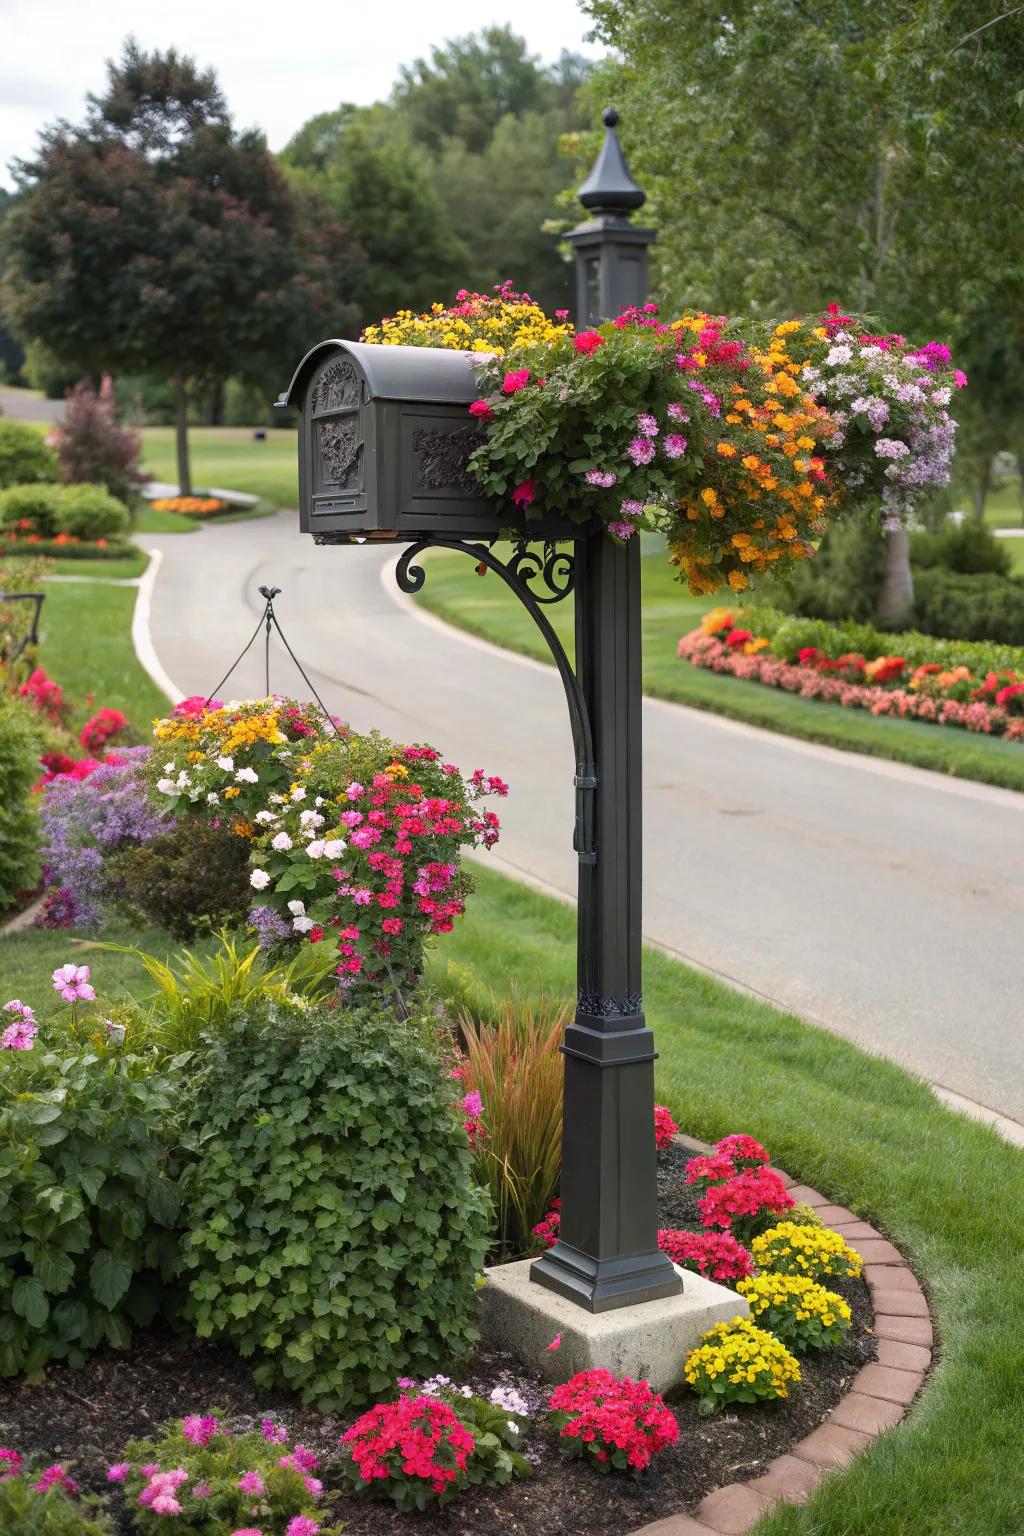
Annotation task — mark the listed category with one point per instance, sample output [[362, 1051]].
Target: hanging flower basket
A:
[[739, 441]]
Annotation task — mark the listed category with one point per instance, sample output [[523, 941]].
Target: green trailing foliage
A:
[[19, 824], [24, 455], [88, 1206], [334, 1231]]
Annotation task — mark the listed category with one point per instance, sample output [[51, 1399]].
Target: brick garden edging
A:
[[878, 1399]]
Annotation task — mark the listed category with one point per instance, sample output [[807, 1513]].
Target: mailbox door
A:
[[435, 491], [337, 483]]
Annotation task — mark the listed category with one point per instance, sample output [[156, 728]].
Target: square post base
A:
[[648, 1342]]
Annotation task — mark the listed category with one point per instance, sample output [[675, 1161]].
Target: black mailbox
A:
[[384, 440]]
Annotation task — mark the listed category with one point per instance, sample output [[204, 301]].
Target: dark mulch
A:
[[85, 1416]]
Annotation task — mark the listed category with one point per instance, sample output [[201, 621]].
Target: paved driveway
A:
[[882, 901]]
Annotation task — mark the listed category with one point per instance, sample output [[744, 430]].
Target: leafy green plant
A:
[[970, 607], [91, 512], [968, 546], [24, 456], [35, 505], [334, 1231], [88, 1204], [221, 1482], [200, 994], [28, 1511], [189, 879], [19, 824], [513, 1060]]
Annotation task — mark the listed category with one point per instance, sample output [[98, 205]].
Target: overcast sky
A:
[[277, 62]]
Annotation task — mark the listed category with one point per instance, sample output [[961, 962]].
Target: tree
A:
[[796, 154], [468, 86], [155, 238]]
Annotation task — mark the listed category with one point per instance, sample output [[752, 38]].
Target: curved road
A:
[[884, 902]]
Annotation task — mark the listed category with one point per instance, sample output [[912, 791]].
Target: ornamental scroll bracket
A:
[[554, 570]]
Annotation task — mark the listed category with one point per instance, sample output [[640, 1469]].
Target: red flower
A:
[[717, 1255], [588, 341], [750, 1194], [742, 1149], [525, 493], [481, 410], [514, 382], [1006, 696], [738, 637], [621, 1423], [808, 655], [316, 933], [664, 1126]]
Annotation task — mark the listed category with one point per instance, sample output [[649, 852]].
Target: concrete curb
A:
[[142, 638], [879, 1398]]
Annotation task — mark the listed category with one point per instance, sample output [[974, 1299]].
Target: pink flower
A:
[[588, 341], [10, 1464], [248, 1530], [647, 424], [202, 1491], [19, 1036], [276, 1434], [959, 378], [513, 382], [481, 410], [55, 1477], [556, 1343], [525, 493], [632, 508], [252, 1482], [622, 531], [72, 982], [674, 446], [641, 450], [301, 1525], [602, 477], [118, 1472], [678, 412], [473, 1104], [165, 1504], [200, 1430]]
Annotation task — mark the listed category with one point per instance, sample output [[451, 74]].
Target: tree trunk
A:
[[896, 599], [181, 435]]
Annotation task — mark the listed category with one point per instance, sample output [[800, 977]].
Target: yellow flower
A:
[[738, 581], [230, 794]]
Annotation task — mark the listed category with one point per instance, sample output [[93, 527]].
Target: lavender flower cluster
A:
[[86, 820], [881, 389]]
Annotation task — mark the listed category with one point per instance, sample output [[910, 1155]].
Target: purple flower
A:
[[118, 1472], [199, 1428], [19, 1036], [678, 412], [473, 1104], [274, 1434], [647, 424], [632, 508], [602, 477], [72, 982], [891, 448], [269, 926], [622, 531], [674, 446], [641, 450]]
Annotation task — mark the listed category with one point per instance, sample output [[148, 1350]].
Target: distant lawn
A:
[[1003, 509], [229, 457], [28, 959], [484, 605], [109, 570], [85, 646]]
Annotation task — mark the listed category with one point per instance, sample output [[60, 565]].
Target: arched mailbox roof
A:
[[398, 373]]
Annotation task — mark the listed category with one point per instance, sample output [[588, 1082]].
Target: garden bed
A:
[[83, 1417]]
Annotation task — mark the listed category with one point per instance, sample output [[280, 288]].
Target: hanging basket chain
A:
[[268, 620]]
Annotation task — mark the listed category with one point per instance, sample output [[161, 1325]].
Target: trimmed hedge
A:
[[25, 456], [985, 606], [86, 512], [789, 635]]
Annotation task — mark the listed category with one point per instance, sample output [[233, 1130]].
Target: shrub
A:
[[514, 1062], [984, 607], [746, 1203], [968, 546], [618, 1423], [214, 1483], [788, 636], [26, 1509], [24, 456], [431, 1444], [92, 446], [738, 1362], [89, 512], [19, 824], [189, 878], [844, 579], [333, 1229], [797, 1310], [86, 820], [31, 508], [814, 1251], [715, 1254], [87, 1207]]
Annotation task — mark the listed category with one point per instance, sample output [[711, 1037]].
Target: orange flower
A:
[[726, 450], [751, 461]]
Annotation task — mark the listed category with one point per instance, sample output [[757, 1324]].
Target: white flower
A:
[[183, 780], [301, 924], [282, 842], [247, 776], [259, 879], [512, 1426], [297, 908], [310, 819], [169, 767], [115, 1032], [837, 355], [212, 799], [298, 793], [277, 799], [265, 818], [167, 786], [319, 800], [227, 763], [316, 848], [334, 848]]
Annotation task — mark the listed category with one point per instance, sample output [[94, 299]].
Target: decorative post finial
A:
[[611, 253], [610, 189]]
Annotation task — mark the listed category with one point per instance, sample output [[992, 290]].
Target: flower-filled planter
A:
[[739, 441], [355, 841]]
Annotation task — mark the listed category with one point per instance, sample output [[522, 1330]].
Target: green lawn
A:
[[104, 570], [229, 457], [483, 605], [947, 1190], [84, 645]]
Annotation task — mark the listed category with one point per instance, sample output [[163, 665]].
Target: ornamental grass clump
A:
[[738, 1362], [435, 1441], [797, 1310], [618, 1423], [814, 1251], [199, 1479], [334, 1230]]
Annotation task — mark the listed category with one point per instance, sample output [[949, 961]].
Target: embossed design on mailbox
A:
[[441, 459], [337, 389], [340, 450]]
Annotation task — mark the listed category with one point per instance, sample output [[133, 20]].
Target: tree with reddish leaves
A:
[[157, 238]]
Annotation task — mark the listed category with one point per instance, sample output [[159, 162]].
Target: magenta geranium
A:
[[619, 1423]]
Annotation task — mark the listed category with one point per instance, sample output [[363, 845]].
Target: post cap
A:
[[610, 188]]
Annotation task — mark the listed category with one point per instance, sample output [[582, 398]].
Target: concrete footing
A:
[[648, 1342]]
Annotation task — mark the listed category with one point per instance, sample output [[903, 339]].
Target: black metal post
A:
[[607, 1253]]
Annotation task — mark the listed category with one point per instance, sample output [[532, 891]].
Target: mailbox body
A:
[[384, 440]]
